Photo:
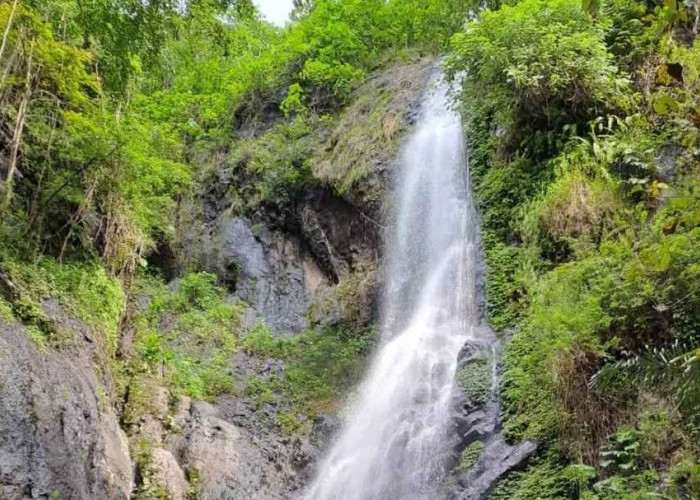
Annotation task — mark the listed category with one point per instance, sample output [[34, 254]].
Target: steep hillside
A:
[[583, 127], [185, 298], [192, 209]]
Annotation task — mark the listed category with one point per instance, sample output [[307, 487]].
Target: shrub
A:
[[319, 366], [538, 65], [83, 289], [192, 354]]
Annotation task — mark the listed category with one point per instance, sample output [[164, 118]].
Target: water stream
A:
[[397, 439]]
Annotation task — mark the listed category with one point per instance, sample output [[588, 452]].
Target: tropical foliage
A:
[[583, 125]]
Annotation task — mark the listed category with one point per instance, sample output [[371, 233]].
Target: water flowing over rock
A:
[[398, 438]]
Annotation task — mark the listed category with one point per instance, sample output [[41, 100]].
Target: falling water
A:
[[396, 441]]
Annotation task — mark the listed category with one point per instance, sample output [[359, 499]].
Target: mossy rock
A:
[[470, 456], [474, 378], [366, 136]]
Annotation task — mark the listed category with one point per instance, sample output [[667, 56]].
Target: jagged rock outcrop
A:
[[358, 152], [280, 271], [497, 460], [478, 422], [277, 257], [274, 273], [59, 436]]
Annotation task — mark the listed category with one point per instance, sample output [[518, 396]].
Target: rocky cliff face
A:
[[485, 458], [64, 431], [59, 434]]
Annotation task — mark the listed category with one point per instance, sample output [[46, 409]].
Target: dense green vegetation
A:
[[115, 114], [109, 110], [582, 122], [583, 125]]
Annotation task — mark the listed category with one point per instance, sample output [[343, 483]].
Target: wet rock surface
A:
[[478, 422], [59, 437], [497, 460]]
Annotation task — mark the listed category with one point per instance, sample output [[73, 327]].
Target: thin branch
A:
[[19, 128], [65, 184], [7, 28]]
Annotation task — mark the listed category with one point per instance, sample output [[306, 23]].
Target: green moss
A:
[[474, 378], [292, 423], [319, 366], [262, 343], [260, 389], [275, 165], [370, 130], [37, 336], [148, 487], [83, 289], [194, 477], [193, 355], [350, 300], [504, 286], [470, 455], [542, 480], [6, 311], [142, 391]]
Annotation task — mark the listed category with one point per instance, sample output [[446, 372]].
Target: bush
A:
[[319, 366], [83, 289], [538, 66], [187, 336]]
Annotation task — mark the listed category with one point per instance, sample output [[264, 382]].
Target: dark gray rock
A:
[[339, 235], [497, 460], [59, 437], [271, 272], [478, 421]]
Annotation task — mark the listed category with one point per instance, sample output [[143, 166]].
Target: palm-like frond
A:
[[674, 369]]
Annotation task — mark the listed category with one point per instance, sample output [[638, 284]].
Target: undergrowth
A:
[[583, 151], [186, 335], [319, 367]]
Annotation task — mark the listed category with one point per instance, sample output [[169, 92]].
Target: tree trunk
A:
[[17, 135], [7, 28]]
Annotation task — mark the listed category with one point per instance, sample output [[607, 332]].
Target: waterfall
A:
[[397, 439]]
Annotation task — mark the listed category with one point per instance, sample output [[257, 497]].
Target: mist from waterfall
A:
[[397, 438]]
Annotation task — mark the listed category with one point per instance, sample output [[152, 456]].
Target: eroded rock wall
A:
[[59, 435]]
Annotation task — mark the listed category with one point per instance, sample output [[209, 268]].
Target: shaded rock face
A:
[[339, 234], [478, 421], [279, 268], [497, 460], [277, 257], [58, 437], [272, 272]]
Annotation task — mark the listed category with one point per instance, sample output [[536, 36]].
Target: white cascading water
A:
[[397, 439]]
